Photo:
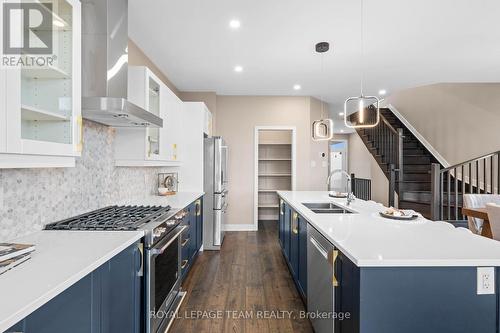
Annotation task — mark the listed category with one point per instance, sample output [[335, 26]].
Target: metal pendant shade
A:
[[322, 130], [365, 105]]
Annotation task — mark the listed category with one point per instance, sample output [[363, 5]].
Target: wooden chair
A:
[[494, 218], [478, 201]]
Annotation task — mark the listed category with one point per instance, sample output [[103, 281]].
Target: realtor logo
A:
[[27, 28]]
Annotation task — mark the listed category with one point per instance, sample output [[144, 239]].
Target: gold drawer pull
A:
[[332, 258], [295, 231], [184, 263], [198, 208], [185, 242]]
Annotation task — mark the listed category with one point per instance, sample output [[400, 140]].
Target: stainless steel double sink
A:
[[326, 208]]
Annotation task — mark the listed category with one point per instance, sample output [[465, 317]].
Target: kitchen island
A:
[[390, 276]]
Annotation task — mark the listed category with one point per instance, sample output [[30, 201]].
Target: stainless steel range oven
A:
[[162, 253], [163, 272]]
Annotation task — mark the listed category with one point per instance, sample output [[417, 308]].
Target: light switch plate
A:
[[486, 280]]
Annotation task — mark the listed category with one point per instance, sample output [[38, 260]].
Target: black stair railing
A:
[[361, 187], [480, 175], [388, 142]]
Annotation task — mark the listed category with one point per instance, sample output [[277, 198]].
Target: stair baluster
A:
[[388, 145], [450, 184]]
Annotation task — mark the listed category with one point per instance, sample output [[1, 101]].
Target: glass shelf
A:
[[32, 113]]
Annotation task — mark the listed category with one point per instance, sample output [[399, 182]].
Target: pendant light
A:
[[362, 101], [322, 130]]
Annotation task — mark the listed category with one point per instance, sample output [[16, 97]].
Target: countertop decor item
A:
[[168, 183], [399, 217]]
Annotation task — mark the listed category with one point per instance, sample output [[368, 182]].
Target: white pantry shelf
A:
[[269, 206], [33, 113], [274, 159]]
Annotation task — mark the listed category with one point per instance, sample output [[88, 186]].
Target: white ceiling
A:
[[407, 43]]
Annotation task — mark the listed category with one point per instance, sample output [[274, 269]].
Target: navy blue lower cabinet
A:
[[302, 273], [411, 300], [294, 245], [281, 222], [199, 223], [286, 232], [192, 237], [185, 250], [108, 300], [293, 240], [193, 250]]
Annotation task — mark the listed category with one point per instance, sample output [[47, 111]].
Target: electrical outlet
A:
[[485, 280]]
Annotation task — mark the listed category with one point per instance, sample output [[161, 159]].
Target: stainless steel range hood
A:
[[105, 67]]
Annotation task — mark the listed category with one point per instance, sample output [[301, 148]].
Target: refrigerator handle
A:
[[225, 178]]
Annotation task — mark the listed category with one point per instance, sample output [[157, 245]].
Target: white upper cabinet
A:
[[208, 126], [150, 146], [41, 124]]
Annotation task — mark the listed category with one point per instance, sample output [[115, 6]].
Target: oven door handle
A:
[[162, 249]]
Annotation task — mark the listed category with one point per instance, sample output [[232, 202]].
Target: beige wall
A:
[[136, 57], [318, 164], [364, 165], [460, 120], [237, 117]]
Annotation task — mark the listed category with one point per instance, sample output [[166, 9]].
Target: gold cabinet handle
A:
[[184, 242], [295, 227], [140, 247], [79, 146], [332, 258], [198, 208], [184, 263]]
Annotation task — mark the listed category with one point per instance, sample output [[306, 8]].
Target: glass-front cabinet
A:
[[153, 106], [150, 146], [42, 100]]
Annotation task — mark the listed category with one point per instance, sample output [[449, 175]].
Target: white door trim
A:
[[293, 129]]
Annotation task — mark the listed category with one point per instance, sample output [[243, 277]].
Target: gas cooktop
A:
[[112, 218]]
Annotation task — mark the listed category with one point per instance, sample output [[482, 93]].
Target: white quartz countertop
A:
[[62, 258], [370, 240]]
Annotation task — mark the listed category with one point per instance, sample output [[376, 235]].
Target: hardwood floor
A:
[[242, 288]]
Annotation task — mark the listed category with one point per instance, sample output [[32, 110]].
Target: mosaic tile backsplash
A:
[[31, 198]]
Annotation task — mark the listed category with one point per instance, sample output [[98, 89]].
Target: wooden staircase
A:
[[413, 185]]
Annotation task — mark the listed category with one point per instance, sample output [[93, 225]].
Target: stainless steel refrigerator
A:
[[216, 193]]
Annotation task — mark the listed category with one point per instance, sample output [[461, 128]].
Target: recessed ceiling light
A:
[[341, 114], [341, 131], [297, 87], [238, 69], [382, 92], [234, 24]]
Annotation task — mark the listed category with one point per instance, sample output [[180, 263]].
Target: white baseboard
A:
[[240, 227]]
